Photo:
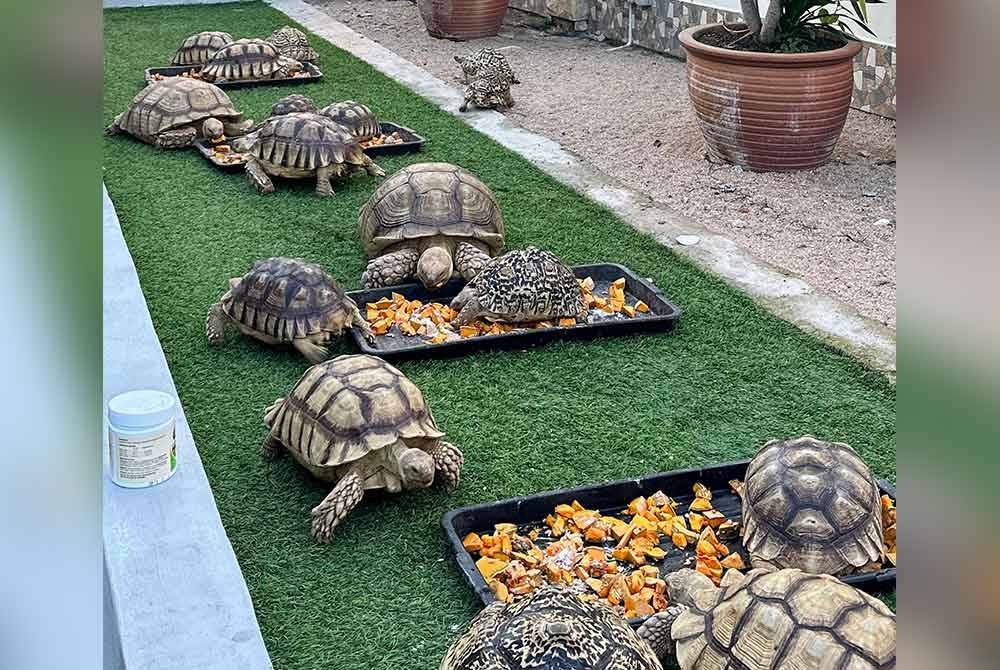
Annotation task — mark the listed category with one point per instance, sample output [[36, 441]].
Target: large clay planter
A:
[[462, 19], [769, 111]]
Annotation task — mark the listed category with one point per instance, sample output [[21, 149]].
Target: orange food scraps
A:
[[641, 307]]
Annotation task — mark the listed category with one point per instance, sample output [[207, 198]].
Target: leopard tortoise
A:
[[550, 629], [486, 60], [199, 48], [293, 43], [284, 300], [811, 505], [771, 620], [429, 220], [521, 286], [249, 59], [354, 116], [358, 421], [488, 90]]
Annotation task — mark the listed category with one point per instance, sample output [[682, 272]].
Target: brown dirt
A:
[[627, 113]]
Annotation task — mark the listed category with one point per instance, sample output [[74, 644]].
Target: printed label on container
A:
[[143, 461]]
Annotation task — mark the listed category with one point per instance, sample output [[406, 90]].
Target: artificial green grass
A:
[[386, 593]]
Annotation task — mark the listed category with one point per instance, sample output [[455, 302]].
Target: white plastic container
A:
[[141, 438]]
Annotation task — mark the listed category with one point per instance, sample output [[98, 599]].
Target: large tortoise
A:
[[248, 59], [519, 287], [550, 629], [174, 112], [429, 220], [300, 145], [354, 116], [284, 300], [199, 48], [811, 505], [489, 90], [293, 43], [358, 421], [771, 620]]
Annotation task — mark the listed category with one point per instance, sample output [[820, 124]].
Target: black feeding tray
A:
[[313, 74], [395, 345], [612, 498], [411, 141], [206, 149]]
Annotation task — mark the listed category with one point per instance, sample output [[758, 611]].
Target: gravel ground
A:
[[627, 112]]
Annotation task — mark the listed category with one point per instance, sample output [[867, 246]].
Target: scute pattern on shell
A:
[[290, 104], [428, 199], [812, 505], [488, 91], [357, 118], [530, 283], [174, 102], [486, 60], [345, 408], [244, 59], [786, 620], [293, 43], [199, 48], [304, 141], [285, 298], [550, 629]]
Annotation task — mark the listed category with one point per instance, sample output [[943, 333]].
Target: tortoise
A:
[[302, 145], [296, 102], [285, 300], [521, 286], [248, 59], [771, 620], [199, 48], [173, 112], [486, 60], [354, 116], [358, 421], [429, 220], [293, 43], [811, 505], [552, 628], [487, 91]]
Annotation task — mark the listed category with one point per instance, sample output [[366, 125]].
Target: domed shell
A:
[[294, 103], [199, 48], [787, 619], [357, 118], [174, 102], [293, 43], [285, 298], [243, 59], [343, 409], [550, 628], [812, 505], [529, 281], [305, 141], [428, 199]]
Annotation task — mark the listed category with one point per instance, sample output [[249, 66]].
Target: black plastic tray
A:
[[204, 147], [174, 70], [411, 141], [613, 497], [660, 318]]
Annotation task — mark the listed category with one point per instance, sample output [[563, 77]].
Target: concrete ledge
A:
[[174, 594]]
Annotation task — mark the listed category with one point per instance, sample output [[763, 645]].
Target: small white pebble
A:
[[687, 240], [883, 222]]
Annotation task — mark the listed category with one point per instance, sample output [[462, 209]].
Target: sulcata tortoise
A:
[[771, 620], [429, 220], [293, 43], [296, 102], [550, 629], [283, 300], [483, 61], [811, 505], [359, 422], [249, 59], [199, 48], [174, 112], [354, 116], [302, 145], [519, 287]]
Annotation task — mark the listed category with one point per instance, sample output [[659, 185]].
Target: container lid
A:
[[140, 409]]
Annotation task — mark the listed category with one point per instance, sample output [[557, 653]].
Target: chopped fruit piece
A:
[[734, 561], [700, 505], [705, 548], [680, 540], [696, 520], [641, 307], [702, 491], [629, 310], [565, 511], [501, 592], [587, 284], [595, 534], [468, 331], [644, 609], [619, 283], [567, 322], [655, 553], [488, 567], [472, 543]]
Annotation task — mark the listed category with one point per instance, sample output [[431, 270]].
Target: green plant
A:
[[789, 22]]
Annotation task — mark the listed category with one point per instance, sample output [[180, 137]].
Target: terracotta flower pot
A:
[[769, 111], [462, 19]]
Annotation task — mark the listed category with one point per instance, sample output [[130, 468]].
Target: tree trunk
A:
[[751, 15], [769, 30]]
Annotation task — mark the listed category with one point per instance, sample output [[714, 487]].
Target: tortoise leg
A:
[[371, 168], [315, 353], [215, 324], [656, 631], [323, 186], [271, 448], [258, 177], [114, 128], [344, 497], [448, 461], [176, 139], [467, 306], [470, 260], [358, 321], [390, 269]]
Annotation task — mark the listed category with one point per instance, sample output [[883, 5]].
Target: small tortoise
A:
[[428, 220], [487, 91], [771, 620], [354, 116], [296, 102], [172, 113], [550, 629], [302, 145], [199, 48], [249, 59], [811, 505], [293, 43], [358, 421], [283, 300], [486, 60], [521, 286]]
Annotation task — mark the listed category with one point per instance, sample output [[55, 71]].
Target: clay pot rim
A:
[[688, 39]]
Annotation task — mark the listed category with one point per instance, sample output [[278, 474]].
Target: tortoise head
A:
[[213, 129], [683, 585], [434, 268], [289, 67], [416, 469]]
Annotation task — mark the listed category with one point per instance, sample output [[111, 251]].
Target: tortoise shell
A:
[[199, 48], [812, 505], [346, 408], [294, 103], [354, 116], [286, 299], [174, 102], [785, 620], [244, 59], [293, 43], [486, 60], [304, 141], [550, 628], [429, 199], [529, 283]]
